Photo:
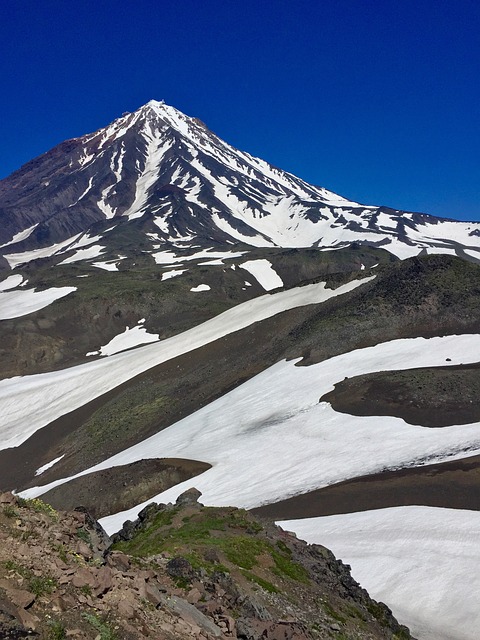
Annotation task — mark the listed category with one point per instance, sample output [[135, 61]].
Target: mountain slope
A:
[[176, 308]]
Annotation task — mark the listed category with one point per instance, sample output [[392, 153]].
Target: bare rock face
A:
[[188, 497]]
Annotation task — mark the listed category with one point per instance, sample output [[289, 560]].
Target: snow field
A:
[[271, 438], [29, 403], [14, 304], [423, 562]]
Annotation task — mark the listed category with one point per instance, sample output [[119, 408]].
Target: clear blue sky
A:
[[377, 100]]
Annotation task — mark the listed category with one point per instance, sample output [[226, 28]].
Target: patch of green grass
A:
[[84, 535], [41, 585], [267, 586], [62, 553], [223, 529], [38, 585], [284, 566], [127, 414], [243, 551], [333, 613], [101, 625], [148, 542], [9, 511], [56, 630], [39, 506]]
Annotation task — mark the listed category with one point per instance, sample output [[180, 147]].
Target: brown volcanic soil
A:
[[429, 397], [119, 488], [450, 484]]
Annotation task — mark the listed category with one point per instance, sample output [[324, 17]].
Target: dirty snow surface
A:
[[423, 562], [14, 304]]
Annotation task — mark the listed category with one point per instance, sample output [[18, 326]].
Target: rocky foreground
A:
[[180, 571]]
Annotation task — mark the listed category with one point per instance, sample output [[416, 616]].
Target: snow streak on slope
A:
[[116, 166], [396, 552], [156, 147], [14, 304], [29, 403], [21, 235], [11, 282]]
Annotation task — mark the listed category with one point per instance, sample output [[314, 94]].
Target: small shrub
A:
[[56, 631], [9, 511], [105, 631], [39, 506]]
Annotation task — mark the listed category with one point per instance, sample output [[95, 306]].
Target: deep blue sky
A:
[[377, 100]]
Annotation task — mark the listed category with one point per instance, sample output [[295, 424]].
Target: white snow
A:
[[473, 254], [89, 186], [264, 273], [44, 468], [84, 254], [116, 166], [15, 259], [129, 338], [28, 403], [271, 438], [423, 562], [167, 257], [107, 265], [166, 275], [201, 287], [74, 242], [14, 304], [21, 235], [11, 282], [156, 147]]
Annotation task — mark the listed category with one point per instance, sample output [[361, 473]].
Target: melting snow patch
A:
[[110, 265], [264, 273], [84, 254], [201, 287], [129, 338], [11, 282], [18, 237], [41, 470], [31, 402], [166, 275], [14, 304]]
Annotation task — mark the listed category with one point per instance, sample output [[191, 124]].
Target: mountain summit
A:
[[189, 186]]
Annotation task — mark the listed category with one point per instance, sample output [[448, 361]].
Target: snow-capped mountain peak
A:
[[169, 169]]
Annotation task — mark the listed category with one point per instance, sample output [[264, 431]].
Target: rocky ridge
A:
[[180, 571]]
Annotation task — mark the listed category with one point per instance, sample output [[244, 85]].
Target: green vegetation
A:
[[9, 511], [39, 506], [84, 535], [127, 415], [56, 630], [268, 586], [333, 613], [38, 585], [101, 625], [230, 532]]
